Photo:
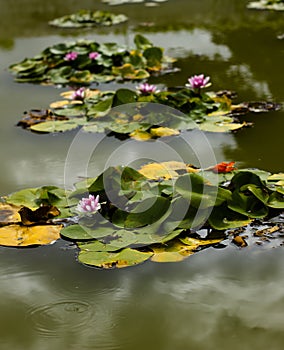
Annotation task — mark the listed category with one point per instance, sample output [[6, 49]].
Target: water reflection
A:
[[216, 298]]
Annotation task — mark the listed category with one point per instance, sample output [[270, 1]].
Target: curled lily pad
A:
[[87, 18], [222, 218], [39, 216], [34, 198]]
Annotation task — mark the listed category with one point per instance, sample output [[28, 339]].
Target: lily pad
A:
[[277, 5], [85, 62], [166, 170], [87, 18], [155, 215], [121, 2], [55, 126], [180, 249], [23, 236], [9, 214], [174, 252], [127, 257], [33, 198], [222, 218], [102, 111]]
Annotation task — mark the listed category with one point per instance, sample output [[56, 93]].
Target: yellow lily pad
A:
[[59, 104], [220, 126], [163, 132], [23, 236], [276, 177], [157, 171], [166, 170], [172, 252], [139, 135], [199, 242], [88, 93]]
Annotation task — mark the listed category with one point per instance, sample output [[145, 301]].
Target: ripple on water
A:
[[53, 319]]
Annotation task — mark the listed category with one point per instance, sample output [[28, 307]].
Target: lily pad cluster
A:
[[85, 62], [277, 5], [94, 111], [121, 2], [87, 19], [146, 213]]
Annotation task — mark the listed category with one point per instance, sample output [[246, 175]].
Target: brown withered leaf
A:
[[266, 231], [35, 116], [38, 216], [239, 241]]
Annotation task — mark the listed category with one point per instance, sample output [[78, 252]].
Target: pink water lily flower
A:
[[78, 94], [89, 204], [198, 82], [94, 55], [71, 56], [146, 88]]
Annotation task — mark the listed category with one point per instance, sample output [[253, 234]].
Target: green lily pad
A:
[[84, 62], [87, 18], [127, 257], [55, 126], [141, 217], [120, 2], [222, 218], [33, 198], [104, 112]]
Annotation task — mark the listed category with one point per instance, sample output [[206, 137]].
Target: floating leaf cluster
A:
[[87, 18], [96, 112], [277, 5], [121, 2], [148, 214], [84, 62]]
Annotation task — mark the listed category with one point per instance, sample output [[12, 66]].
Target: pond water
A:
[[218, 298]]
